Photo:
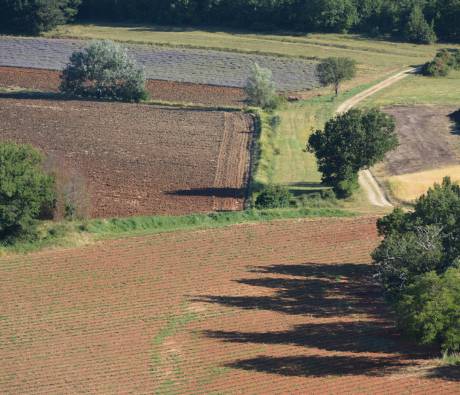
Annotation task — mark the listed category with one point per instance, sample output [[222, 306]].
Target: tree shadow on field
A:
[[450, 373], [322, 292], [320, 366], [237, 193], [455, 118]]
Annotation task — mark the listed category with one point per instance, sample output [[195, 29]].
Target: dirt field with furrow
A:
[[281, 307], [171, 91], [138, 159]]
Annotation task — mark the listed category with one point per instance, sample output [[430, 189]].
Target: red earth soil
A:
[[139, 159], [287, 307], [49, 80]]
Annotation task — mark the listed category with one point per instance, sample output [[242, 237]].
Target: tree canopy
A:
[[375, 17], [350, 142], [104, 70], [418, 266], [35, 16], [333, 71], [25, 189]]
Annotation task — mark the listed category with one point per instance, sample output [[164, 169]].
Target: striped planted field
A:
[[281, 307], [171, 64]]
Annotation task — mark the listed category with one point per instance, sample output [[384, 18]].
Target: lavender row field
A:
[[170, 64]]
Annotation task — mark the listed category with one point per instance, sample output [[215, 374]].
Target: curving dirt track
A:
[[367, 181], [139, 159], [286, 307], [49, 80]]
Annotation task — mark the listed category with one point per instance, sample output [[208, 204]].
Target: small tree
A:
[[260, 88], [333, 71], [418, 29], [104, 70], [25, 189], [350, 142]]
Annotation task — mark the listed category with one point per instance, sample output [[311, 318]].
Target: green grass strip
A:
[[159, 224]]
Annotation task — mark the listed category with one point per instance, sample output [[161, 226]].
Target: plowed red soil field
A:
[[286, 307], [139, 159], [49, 80]]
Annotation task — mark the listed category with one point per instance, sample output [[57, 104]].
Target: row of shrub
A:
[[444, 61], [418, 266]]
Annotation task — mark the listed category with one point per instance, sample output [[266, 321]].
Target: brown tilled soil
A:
[[139, 159], [428, 139], [48, 80], [287, 307]]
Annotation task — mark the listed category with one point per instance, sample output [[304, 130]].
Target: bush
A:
[[444, 61], [273, 196], [418, 29], [25, 189], [103, 70], [429, 309], [418, 265], [261, 89]]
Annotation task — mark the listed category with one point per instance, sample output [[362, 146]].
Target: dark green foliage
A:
[[273, 196], [35, 16], [350, 142], [429, 309], [418, 18], [25, 190], [333, 71], [103, 70], [418, 262], [444, 61], [418, 29]]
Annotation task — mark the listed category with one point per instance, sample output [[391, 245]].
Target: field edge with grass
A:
[[66, 234]]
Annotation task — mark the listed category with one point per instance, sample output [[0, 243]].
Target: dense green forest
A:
[[412, 20]]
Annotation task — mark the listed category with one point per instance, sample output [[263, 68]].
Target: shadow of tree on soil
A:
[[325, 290], [450, 373], [319, 366], [363, 327], [455, 118], [237, 193]]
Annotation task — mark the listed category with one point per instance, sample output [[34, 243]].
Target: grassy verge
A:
[[71, 234], [417, 89], [451, 359], [379, 53]]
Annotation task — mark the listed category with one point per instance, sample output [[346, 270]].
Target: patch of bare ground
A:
[[284, 307], [49, 80], [139, 159], [428, 139]]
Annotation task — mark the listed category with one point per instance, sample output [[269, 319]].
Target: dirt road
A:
[[367, 181]]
